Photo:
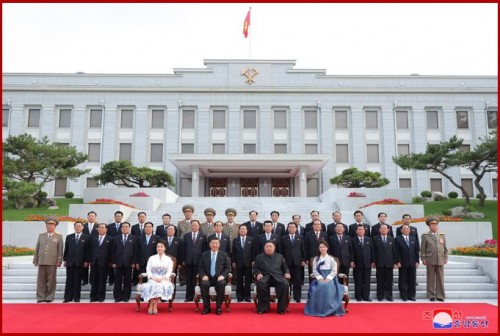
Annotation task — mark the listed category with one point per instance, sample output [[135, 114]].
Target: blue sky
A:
[[353, 39]]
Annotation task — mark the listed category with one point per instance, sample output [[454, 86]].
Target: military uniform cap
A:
[[188, 207], [431, 219], [209, 211], [231, 211], [52, 219]]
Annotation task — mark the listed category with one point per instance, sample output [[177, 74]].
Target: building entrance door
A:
[[280, 188], [249, 187], [218, 187]]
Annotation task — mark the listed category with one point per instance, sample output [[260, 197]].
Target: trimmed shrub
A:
[[479, 195], [426, 193], [69, 194], [452, 194]]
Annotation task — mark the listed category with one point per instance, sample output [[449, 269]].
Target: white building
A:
[[253, 127]]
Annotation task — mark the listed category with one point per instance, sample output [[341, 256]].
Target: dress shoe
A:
[[281, 312], [94, 301], [218, 311], [368, 300], [433, 299], [48, 301], [118, 300], [412, 299], [405, 299], [297, 301], [261, 312], [66, 301], [390, 299], [126, 300], [240, 300], [101, 300], [359, 300], [206, 311], [77, 300], [40, 301], [248, 300], [188, 300], [380, 299], [439, 299]]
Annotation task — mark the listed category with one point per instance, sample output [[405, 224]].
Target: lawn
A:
[[489, 210], [19, 215]]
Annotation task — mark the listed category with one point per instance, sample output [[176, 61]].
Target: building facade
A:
[[253, 127]]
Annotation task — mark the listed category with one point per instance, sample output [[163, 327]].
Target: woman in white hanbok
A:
[[159, 269]]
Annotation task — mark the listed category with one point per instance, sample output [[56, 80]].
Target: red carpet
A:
[[122, 318]]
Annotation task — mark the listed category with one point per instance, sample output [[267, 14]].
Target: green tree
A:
[[19, 193], [26, 159], [354, 178], [123, 173]]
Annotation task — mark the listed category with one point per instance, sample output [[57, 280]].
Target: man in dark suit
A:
[[146, 247], [254, 228], [270, 269], [113, 231], [311, 243], [292, 249], [385, 261], [407, 259], [358, 217], [99, 257], [278, 228], [89, 228], [340, 247], [213, 269], [314, 216], [301, 231], [124, 260], [174, 245], [337, 219], [74, 257], [382, 218], [363, 262], [161, 230], [268, 235], [138, 229], [194, 244], [413, 230], [243, 255], [225, 242]]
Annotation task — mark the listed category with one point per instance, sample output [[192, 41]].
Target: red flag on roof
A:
[[246, 24]]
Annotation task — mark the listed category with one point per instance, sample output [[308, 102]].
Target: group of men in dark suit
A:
[[121, 251]]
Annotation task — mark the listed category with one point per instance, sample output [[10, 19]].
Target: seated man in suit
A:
[[213, 269], [270, 269]]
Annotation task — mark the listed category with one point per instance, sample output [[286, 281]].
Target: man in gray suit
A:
[[48, 256]]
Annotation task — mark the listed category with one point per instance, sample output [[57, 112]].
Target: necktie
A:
[[218, 236], [194, 237], [212, 265], [147, 240], [340, 238], [243, 242], [169, 241], [292, 239], [361, 241], [141, 228], [407, 241], [383, 239], [124, 240], [268, 236], [100, 240], [317, 235], [77, 238]]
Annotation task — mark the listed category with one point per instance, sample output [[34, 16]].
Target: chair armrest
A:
[[344, 278], [141, 276], [230, 277]]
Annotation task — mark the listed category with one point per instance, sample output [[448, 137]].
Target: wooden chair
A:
[[272, 295], [140, 278], [213, 295], [342, 276]]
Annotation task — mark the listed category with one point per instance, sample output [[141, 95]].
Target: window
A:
[[125, 152], [60, 186], [372, 153], [187, 148], [462, 119], [249, 149], [467, 185], [91, 183], [403, 149], [188, 119], [340, 119], [94, 152], [436, 184], [311, 119], [218, 148], [95, 118], [432, 120], [156, 152], [219, 119], [127, 120], [311, 149], [405, 183], [280, 148], [34, 118], [492, 119], [402, 119], [371, 119], [5, 117], [494, 182], [249, 119], [157, 118], [279, 119], [464, 148], [342, 153], [64, 118]]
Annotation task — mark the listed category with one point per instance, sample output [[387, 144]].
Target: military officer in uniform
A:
[[230, 227], [208, 227], [48, 256], [183, 227], [434, 255]]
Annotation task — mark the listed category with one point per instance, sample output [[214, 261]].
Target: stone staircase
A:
[[463, 281], [287, 207]]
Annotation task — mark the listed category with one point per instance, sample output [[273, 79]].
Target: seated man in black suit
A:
[[213, 269], [270, 269]]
